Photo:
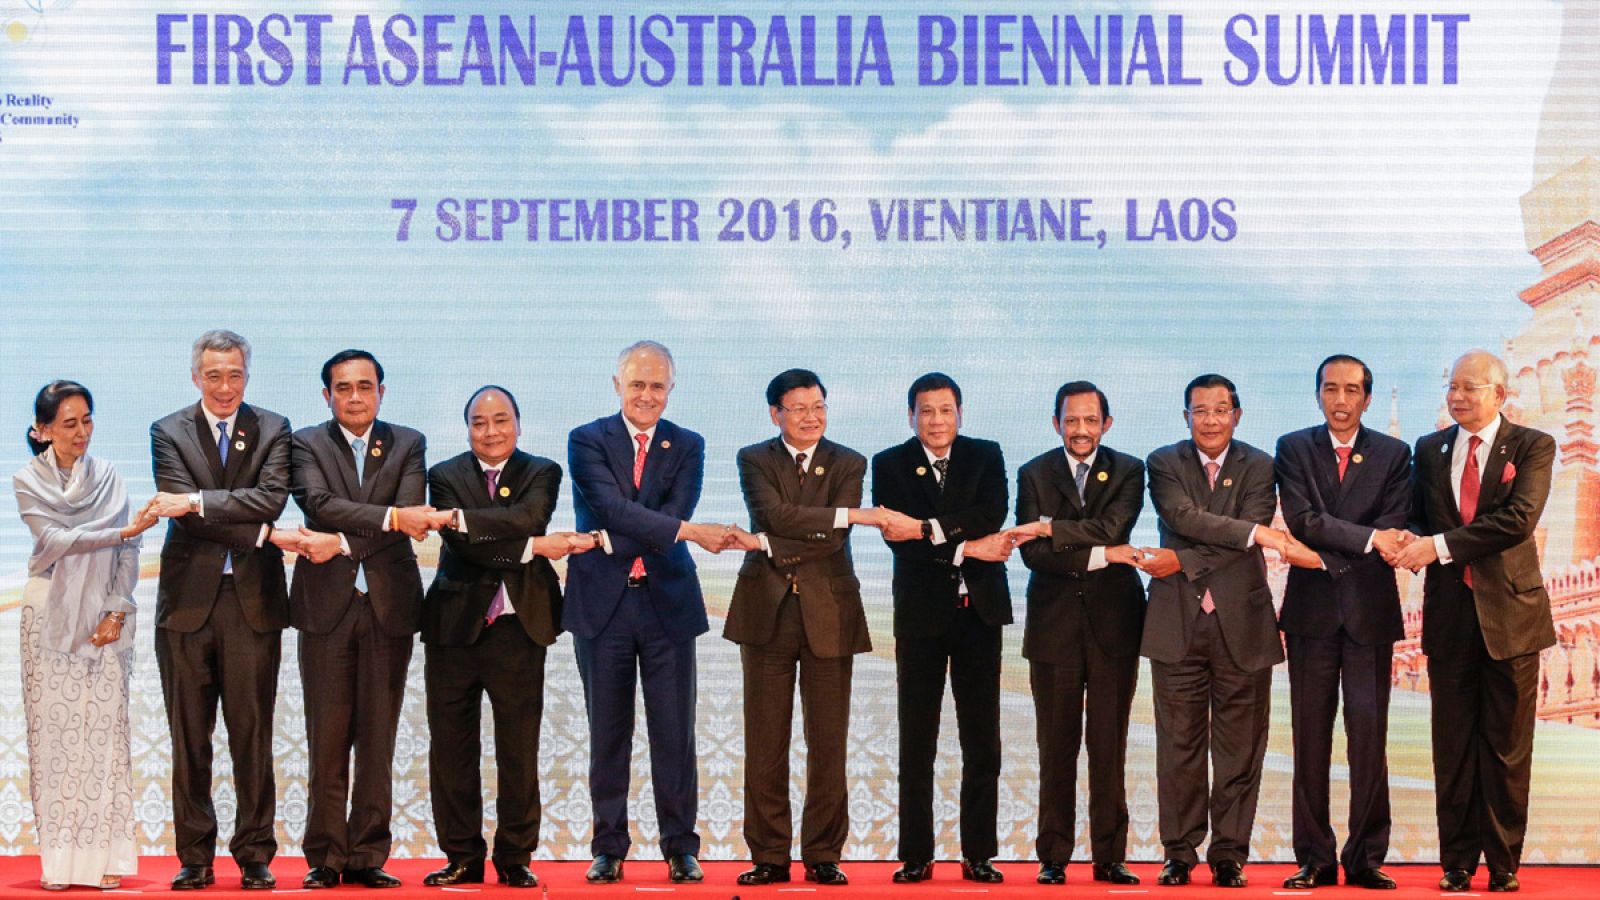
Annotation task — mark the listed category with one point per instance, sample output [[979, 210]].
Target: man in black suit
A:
[[1479, 488], [1211, 633], [797, 608], [948, 493], [1076, 507], [222, 470], [487, 619], [1344, 492], [360, 483]]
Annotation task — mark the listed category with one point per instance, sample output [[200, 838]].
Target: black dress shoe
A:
[[321, 877], [606, 869], [191, 878], [1051, 872], [1173, 872], [981, 871], [464, 872], [913, 872], [683, 868], [1310, 876], [256, 877], [1503, 882], [826, 873], [374, 877], [1456, 880], [765, 873], [1116, 873], [516, 875], [1373, 879], [1228, 874]]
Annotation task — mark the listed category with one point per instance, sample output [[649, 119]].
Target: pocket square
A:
[[1508, 473]]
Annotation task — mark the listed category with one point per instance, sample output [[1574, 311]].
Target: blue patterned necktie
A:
[[360, 446], [222, 441]]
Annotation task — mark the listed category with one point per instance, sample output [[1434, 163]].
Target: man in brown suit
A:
[[797, 606]]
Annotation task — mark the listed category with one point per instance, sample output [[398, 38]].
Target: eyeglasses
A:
[[801, 412], [1221, 412], [1456, 387], [217, 379]]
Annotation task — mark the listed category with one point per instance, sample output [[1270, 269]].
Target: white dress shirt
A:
[[1458, 467], [841, 515]]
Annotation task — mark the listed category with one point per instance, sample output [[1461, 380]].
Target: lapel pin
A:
[[922, 470], [377, 451], [666, 445], [1227, 482], [1445, 448], [1101, 476], [1356, 458], [817, 470], [1502, 449], [238, 445], [505, 491]]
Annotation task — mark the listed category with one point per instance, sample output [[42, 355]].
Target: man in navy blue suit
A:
[[635, 609], [1345, 492]]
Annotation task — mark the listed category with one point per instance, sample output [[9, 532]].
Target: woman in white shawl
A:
[[77, 645]]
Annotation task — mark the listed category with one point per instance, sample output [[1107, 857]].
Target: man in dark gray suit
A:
[[222, 470], [1076, 507], [361, 484], [1211, 633], [1345, 492], [797, 607]]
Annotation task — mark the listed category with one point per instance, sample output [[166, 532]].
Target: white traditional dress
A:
[[75, 695]]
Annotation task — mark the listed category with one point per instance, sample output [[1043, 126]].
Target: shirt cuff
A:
[[200, 510], [1251, 540], [961, 553], [527, 552], [388, 519], [262, 537], [461, 519], [1097, 559], [938, 535], [841, 519], [605, 541], [765, 545], [1441, 548], [1370, 538], [344, 545]]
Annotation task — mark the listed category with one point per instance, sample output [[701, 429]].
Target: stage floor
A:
[[19, 877]]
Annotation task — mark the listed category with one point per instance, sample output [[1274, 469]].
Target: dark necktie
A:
[[1471, 479], [1208, 605], [942, 466], [1082, 478], [800, 466], [1344, 460], [498, 604]]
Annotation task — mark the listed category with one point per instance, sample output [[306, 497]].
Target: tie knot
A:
[[1473, 443], [641, 439], [222, 429], [359, 445], [1083, 469], [1212, 468], [800, 460], [1342, 452], [493, 476]]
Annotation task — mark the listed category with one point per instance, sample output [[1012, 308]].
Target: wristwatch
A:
[[927, 529], [194, 502]]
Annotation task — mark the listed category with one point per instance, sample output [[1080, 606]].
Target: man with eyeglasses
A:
[[1211, 633], [797, 607], [1478, 489], [222, 469]]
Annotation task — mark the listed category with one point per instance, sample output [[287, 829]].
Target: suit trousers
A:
[[1100, 686], [227, 661], [1483, 716], [633, 649], [1318, 666], [355, 683], [1207, 707], [969, 650], [769, 680], [509, 666]]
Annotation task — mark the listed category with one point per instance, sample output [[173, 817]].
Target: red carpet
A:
[[644, 878]]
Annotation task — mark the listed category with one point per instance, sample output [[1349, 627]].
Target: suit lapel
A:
[[380, 440], [1355, 469], [620, 450], [811, 490], [1494, 467], [207, 441], [344, 457], [1221, 495], [1325, 463], [1441, 481], [658, 459], [1099, 476], [511, 475], [242, 441], [922, 472], [1060, 477]]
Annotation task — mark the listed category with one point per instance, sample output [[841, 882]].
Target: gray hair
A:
[[221, 340], [1498, 374], [655, 347]]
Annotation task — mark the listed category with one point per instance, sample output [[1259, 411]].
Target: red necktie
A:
[[1344, 460], [1471, 479], [498, 604], [638, 474], [1207, 605]]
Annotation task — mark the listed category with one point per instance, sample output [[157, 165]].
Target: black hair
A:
[[1366, 373], [47, 404], [1074, 388], [1211, 380], [790, 380], [344, 356], [933, 381], [466, 411]]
